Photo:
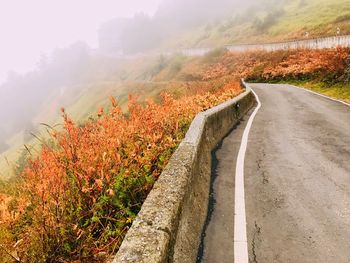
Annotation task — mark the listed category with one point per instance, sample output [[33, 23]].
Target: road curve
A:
[[297, 182]]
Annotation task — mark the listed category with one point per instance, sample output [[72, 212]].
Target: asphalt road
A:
[[297, 182]]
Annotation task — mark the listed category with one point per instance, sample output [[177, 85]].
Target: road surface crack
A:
[[265, 178], [256, 235]]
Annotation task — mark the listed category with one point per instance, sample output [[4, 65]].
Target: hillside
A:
[[271, 21], [81, 98]]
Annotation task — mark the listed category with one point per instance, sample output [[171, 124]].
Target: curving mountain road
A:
[[297, 182]]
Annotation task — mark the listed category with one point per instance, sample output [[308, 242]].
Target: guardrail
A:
[[316, 43], [169, 225]]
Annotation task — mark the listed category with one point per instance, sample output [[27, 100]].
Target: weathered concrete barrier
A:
[[169, 225], [316, 43]]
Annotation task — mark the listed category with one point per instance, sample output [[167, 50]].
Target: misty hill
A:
[[195, 23], [143, 33], [275, 21], [23, 96]]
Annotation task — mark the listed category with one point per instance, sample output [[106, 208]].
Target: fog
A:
[[31, 28], [49, 47]]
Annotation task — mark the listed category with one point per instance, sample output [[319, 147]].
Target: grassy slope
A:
[[84, 101], [338, 91], [80, 103], [290, 21]]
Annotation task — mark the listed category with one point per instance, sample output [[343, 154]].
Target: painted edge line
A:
[[240, 227], [321, 95]]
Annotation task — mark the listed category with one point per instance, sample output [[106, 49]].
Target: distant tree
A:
[[3, 146], [263, 25], [139, 35], [43, 62]]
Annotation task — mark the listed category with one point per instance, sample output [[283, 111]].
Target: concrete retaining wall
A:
[[169, 225], [317, 43]]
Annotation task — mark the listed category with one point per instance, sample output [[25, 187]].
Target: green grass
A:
[[315, 17], [339, 91]]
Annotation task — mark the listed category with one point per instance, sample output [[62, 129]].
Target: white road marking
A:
[[240, 228], [324, 96]]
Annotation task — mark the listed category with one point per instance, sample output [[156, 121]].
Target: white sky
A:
[[29, 28]]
